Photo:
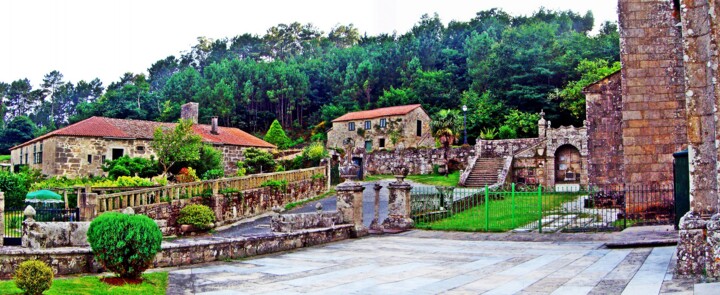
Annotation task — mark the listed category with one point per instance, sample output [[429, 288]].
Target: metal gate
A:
[[13, 226]]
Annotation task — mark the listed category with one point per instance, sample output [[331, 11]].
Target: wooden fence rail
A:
[[155, 195]]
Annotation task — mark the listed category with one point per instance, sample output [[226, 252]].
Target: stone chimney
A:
[[189, 111], [214, 129]]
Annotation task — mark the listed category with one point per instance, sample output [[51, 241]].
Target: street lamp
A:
[[464, 108]]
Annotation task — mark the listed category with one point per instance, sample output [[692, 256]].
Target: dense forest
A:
[[504, 68]]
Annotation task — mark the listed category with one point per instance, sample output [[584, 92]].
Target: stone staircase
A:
[[485, 172]]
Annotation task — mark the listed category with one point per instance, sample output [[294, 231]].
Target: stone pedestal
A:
[[692, 247], [398, 208], [2, 217], [350, 206], [375, 226], [87, 203], [712, 264]]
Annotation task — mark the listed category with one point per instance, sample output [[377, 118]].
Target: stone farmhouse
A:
[[383, 128], [81, 148]]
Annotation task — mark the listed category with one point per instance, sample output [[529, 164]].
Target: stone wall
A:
[[231, 207], [505, 147], [406, 124], [75, 260], [40, 235], [294, 222], [653, 102], [604, 129], [418, 161]]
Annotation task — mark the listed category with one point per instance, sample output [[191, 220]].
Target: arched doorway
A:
[[568, 164]]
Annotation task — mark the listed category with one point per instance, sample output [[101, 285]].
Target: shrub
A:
[[127, 181], [213, 174], [256, 161], [127, 166], [15, 187], [315, 152], [187, 175], [124, 244], [318, 137], [507, 132], [280, 185], [276, 135], [210, 159], [33, 277], [199, 216]]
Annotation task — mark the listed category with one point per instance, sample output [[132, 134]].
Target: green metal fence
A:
[[527, 209]]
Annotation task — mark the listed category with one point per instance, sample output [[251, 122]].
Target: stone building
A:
[[383, 128], [81, 148]]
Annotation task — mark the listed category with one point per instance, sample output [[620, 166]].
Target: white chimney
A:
[[214, 129]]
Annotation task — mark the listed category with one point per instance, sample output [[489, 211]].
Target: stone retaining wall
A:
[[74, 260], [418, 161], [37, 235], [505, 147], [294, 222]]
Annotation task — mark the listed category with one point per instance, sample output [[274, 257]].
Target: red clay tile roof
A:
[[138, 129], [376, 113]]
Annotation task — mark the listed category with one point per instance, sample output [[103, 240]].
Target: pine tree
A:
[[276, 135]]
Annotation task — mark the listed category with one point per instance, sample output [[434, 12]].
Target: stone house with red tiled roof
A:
[[383, 128], [81, 148]]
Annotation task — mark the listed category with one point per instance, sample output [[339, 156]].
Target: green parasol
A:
[[43, 196]]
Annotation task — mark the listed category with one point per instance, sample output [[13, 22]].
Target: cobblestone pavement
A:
[[420, 262]]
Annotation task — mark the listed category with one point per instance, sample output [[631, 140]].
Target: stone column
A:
[[375, 226], [398, 208], [87, 203], [350, 205], [691, 248], [712, 265], [2, 218]]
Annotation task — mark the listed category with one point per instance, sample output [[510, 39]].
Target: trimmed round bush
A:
[[124, 244], [199, 216], [33, 277]]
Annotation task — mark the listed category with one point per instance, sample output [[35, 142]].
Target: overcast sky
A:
[[84, 39]]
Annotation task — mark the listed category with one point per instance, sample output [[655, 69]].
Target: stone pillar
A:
[[218, 201], [691, 248], [87, 203], [712, 265], [398, 208], [375, 226], [2, 217], [350, 205]]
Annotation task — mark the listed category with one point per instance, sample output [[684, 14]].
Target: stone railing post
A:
[[218, 201], [375, 226], [712, 264], [350, 205], [691, 248], [398, 208], [2, 217], [87, 203], [26, 225]]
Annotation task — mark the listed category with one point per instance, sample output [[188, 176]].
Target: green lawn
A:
[[431, 179], [4, 158], [506, 213], [155, 283]]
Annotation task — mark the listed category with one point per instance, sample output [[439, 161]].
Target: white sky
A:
[[84, 39]]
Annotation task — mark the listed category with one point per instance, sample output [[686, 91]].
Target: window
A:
[[368, 146], [367, 125], [383, 123], [351, 126], [89, 159], [103, 159], [40, 154], [381, 142], [35, 154], [418, 130], [140, 148], [117, 153], [21, 154]]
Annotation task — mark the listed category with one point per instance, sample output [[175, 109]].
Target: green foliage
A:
[[4, 158], [315, 152], [524, 124], [278, 185], [321, 137], [241, 171], [187, 175], [199, 216], [33, 276], [209, 159], [154, 283], [180, 144], [507, 132], [256, 161], [130, 181], [18, 130], [571, 96], [15, 186], [276, 135], [124, 244], [126, 166], [446, 125], [213, 174], [488, 134], [318, 176], [360, 132]]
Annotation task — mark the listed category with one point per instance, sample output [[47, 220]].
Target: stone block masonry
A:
[[653, 99], [604, 130]]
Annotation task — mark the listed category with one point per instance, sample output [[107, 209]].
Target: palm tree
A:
[[445, 127]]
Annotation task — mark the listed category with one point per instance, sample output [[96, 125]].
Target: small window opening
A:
[[381, 142], [89, 159]]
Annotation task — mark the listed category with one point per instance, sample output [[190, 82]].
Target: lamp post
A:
[[464, 108]]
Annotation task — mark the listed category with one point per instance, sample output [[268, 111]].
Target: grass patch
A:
[[4, 158], [505, 212], [292, 205], [430, 179], [154, 283]]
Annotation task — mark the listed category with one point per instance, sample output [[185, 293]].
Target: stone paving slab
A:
[[412, 264]]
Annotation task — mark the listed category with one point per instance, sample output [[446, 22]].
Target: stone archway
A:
[[568, 164]]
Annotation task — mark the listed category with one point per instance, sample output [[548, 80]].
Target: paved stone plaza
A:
[[418, 263]]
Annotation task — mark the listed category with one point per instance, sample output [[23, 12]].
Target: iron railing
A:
[[538, 209]]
